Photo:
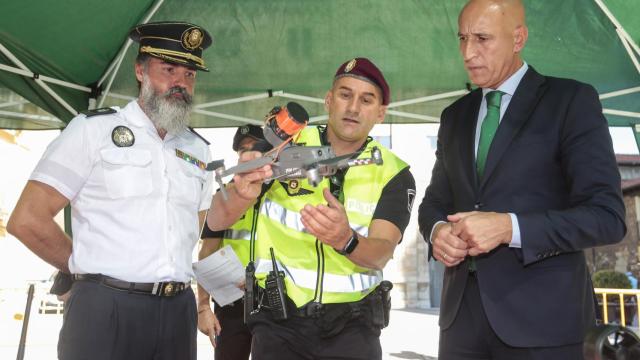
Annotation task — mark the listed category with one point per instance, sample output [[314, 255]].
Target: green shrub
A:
[[611, 279]]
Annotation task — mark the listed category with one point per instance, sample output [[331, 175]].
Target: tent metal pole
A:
[[115, 65], [44, 78], [112, 78], [13, 103], [621, 113], [239, 119], [414, 116], [120, 96], [428, 98], [44, 86], [237, 100], [300, 97], [317, 119], [30, 116], [617, 24], [629, 51], [127, 43], [620, 93]]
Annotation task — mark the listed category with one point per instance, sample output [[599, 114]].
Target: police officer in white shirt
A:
[[136, 181]]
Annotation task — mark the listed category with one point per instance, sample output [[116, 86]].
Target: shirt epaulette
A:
[[101, 111], [198, 135]]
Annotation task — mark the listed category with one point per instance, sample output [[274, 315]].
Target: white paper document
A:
[[220, 274]]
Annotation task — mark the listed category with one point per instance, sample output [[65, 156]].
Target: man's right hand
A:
[[249, 185], [208, 324], [448, 248]]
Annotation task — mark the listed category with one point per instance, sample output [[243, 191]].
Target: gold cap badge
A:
[[350, 66], [192, 38]]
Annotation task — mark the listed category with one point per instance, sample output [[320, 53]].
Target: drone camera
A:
[[283, 123]]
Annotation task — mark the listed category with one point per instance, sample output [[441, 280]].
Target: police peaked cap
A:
[[175, 42]]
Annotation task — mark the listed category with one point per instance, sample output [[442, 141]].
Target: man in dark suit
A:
[[525, 179]]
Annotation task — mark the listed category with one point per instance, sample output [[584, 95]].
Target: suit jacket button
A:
[[477, 206]]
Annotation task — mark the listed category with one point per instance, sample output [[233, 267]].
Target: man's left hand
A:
[[328, 223], [483, 231]]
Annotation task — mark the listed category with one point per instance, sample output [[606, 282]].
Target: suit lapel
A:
[[524, 100], [467, 129]]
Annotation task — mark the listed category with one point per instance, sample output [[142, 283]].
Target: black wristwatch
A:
[[350, 245]]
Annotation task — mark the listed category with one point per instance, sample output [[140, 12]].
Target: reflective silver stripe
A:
[[291, 219], [276, 212], [235, 234], [332, 282]]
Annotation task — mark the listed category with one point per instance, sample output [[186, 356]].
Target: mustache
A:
[[179, 90]]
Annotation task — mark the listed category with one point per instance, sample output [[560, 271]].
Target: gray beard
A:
[[166, 112]]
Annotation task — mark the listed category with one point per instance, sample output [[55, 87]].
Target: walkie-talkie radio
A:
[[276, 292], [249, 290]]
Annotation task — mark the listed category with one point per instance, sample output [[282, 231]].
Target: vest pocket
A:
[[127, 172]]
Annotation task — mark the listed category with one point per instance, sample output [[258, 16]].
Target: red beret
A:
[[364, 69]]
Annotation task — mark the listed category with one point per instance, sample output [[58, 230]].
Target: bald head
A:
[[512, 11], [492, 34]]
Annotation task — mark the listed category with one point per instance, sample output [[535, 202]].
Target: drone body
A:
[[291, 161]]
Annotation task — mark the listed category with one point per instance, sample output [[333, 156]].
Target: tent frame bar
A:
[[14, 103], [38, 81], [30, 116], [619, 93], [240, 99], [117, 62], [618, 26], [621, 113], [428, 98], [44, 78]]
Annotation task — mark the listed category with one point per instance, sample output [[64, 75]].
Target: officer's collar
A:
[[324, 141]]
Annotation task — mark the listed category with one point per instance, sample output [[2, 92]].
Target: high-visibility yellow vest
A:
[[238, 236], [316, 272]]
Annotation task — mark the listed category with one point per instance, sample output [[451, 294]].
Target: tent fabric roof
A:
[[291, 49]]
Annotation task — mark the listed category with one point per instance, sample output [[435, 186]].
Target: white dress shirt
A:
[[134, 210]]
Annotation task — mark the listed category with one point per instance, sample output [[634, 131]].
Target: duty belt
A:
[[166, 288]]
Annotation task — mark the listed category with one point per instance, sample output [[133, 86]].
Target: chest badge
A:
[[293, 188], [191, 159], [122, 136]]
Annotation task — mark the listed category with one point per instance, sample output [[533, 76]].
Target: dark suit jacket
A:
[[552, 164]]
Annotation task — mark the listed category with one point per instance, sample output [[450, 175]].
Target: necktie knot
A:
[[494, 98]]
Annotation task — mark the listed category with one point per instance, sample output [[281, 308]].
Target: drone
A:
[[289, 160]]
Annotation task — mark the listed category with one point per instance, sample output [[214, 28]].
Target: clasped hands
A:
[[469, 233]]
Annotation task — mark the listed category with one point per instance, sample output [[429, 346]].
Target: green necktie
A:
[[488, 130]]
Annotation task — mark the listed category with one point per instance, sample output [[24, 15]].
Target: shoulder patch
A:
[[198, 135], [101, 111]]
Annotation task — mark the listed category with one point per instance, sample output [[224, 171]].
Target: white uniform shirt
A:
[[134, 209]]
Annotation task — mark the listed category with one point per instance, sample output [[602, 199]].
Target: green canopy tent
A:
[[65, 57]]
